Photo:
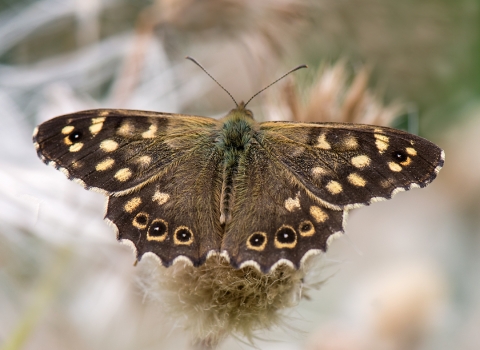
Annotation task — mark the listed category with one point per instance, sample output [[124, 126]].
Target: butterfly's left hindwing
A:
[[176, 215]]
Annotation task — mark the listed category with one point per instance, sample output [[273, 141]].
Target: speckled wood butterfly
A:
[[261, 194]]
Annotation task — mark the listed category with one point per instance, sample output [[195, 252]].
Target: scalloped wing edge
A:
[[226, 256], [400, 189]]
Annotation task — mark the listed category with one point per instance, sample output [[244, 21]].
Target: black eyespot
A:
[[286, 235], [256, 240], [157, 229], [184, 235], [399, 156], [306, 227], [75, 136], [141, 219]]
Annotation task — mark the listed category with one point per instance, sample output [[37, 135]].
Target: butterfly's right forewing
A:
[[162, 173], [116, 150]]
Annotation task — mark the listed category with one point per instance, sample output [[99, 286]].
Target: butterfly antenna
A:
[[283, 76], [198, 64]]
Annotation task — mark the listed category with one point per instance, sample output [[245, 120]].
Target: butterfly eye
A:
[[399, 156], [75, 136]]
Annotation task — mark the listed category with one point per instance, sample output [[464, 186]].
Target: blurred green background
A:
[[406, 275]]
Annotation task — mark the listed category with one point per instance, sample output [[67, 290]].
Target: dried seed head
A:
[[216, 300]]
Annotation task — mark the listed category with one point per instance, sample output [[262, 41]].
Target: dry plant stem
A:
[[333, 98], [132, 67]]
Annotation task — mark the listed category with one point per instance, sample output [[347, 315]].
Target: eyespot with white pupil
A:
[[285, 237], [75, 136], [399, 156], [183, 235], [157, 230], [256, 240]]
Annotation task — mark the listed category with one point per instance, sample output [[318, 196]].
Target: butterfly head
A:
[[240, 112]]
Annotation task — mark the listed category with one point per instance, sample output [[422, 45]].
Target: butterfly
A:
[[185, 187]]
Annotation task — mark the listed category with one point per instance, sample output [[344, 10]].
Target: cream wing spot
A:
[[67, 141], [381, 142], [318, 214], [144, 160], [360, 161], [108, 145], [105, 164], [292, 204], [126, 129], [350, 143], [67, 129], [103, 114], [411, 151], [97, 125], [334, 187], [407, 162], [160, 198], [394, 166], [150, 133], [76, 147], [322, 142], [123, 174], [132, 204], [318, 171], [356, 180]]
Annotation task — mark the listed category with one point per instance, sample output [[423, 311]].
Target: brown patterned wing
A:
[[116, 150], [274, 219], [350, 165], [161, 172], [177, 214]]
